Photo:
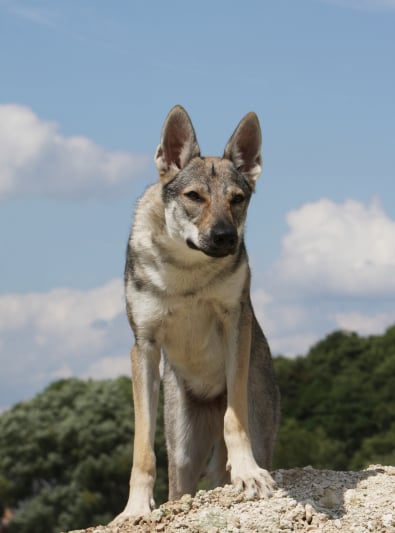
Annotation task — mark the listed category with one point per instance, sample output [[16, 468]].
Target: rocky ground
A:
[[305, 500]]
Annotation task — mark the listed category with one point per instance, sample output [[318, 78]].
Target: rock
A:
[[305, 500], [330, 499], [388, 519], [156, 515], [309, 511]]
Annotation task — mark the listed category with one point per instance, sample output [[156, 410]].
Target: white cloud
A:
[[35, 159], [64, 372], [287, 325], [339, 248], [62, 311], [109, 367], [336, 271], [63, 332], [293, 345], [365, 324]]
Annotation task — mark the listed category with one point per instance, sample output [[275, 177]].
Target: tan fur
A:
[[187, 284]]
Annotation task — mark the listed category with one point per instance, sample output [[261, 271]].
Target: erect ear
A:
[[178, 144], [244, 148]]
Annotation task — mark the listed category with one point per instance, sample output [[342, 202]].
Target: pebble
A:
[[358, 529], [388, 520], [330, 499], [235, 522], [278, 477], [309, 511], [285, 523]]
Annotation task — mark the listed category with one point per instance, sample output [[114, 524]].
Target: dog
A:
[[187, 285]]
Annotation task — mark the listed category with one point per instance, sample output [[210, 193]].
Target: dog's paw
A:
[[134, 510], [256, 483]]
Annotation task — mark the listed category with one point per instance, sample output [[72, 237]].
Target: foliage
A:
[[65, 456], [338, 403]]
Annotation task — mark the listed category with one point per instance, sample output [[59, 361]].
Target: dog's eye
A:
[[237, 199], [194, 196]]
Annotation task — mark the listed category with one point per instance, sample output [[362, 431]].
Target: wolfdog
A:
[[187, 283]]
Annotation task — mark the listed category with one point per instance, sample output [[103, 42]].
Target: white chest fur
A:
[[192, 316], [196, 342]]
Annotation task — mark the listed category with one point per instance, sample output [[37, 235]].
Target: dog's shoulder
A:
[[149, 213]]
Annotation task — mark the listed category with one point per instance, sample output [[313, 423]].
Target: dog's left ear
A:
[[178, 144], [244, 148]]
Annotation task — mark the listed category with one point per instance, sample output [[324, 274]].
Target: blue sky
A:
[[85, 88]]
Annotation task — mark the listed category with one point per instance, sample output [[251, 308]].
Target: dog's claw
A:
[[258, 484], [239, 485]]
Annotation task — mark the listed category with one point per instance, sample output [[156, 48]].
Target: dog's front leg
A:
[[244, 470], [146, 380]]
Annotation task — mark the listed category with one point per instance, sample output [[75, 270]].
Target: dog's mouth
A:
[[192, 245], [213, 251]]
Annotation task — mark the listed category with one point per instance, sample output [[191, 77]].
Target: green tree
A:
[[338, 403], [298, 446], [65, 456], [377, 449]]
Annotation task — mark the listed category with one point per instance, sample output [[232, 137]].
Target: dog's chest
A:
[[196, 341]]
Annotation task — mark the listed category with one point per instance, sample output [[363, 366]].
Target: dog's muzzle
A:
[[221, 241]]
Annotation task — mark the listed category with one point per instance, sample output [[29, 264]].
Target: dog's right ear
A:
[[178, 144]]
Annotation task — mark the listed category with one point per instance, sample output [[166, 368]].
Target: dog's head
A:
[[206, 198]]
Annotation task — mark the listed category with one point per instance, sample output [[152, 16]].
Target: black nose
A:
[[224, 237]]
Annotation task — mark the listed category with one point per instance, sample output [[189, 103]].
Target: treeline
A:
[[338, 403], [65, 456]]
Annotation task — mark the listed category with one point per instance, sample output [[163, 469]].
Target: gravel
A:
[[305, 500]]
